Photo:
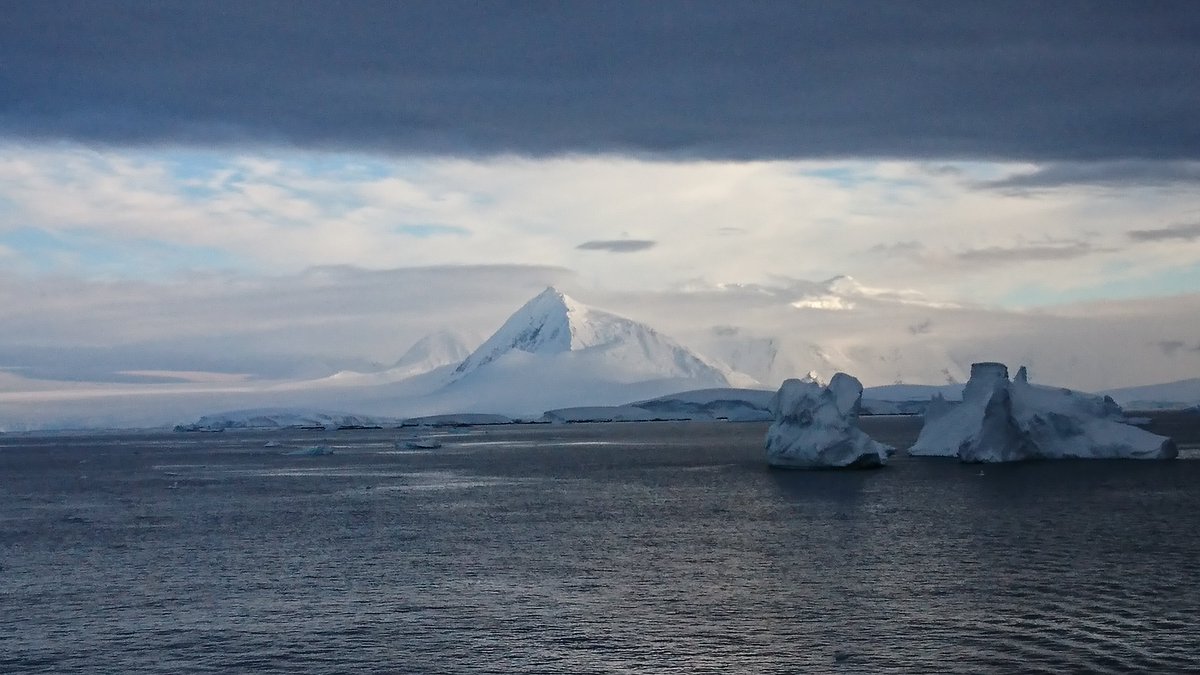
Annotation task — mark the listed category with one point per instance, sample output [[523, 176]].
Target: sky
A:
[[260, 188]]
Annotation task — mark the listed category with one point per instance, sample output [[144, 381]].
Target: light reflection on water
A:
[[589, 548]]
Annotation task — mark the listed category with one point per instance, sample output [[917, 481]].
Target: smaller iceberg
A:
[[816, 427], [1009, 421]]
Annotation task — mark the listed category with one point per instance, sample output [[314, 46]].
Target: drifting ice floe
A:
[[418, 444], [1003, 421], [817, 427], [312, 451]]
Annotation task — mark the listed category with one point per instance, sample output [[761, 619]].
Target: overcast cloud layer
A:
[[1008, 80]]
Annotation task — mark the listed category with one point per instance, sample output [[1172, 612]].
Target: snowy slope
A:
[[427, 355], [431, 352], [759, 357], [1180, 394]]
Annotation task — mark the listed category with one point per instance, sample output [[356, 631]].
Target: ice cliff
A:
[[1006, 421], [817, 427]]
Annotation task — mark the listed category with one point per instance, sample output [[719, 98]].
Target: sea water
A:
[[583, 548]]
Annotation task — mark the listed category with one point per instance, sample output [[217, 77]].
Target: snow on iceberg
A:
[[1006, 421], [817, 427]]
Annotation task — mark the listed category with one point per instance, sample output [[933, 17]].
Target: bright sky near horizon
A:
[[1007, 155]]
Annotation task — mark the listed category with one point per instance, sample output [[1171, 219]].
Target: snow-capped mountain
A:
[[558, 331]]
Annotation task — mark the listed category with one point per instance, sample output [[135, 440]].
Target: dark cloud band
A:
[[1017, 79]]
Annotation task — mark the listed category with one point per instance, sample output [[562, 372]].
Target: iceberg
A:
[[1007, 421], [282, 418], [729, 403], [817, 427], [457, 420], [609, 413]]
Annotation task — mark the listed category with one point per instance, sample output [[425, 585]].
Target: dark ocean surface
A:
[[585, 548]]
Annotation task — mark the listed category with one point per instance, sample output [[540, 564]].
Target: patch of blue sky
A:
[[426, 230], [38, 251], [345, 166], [1174, 281], [844, 176], [197, 166], [851, 175]]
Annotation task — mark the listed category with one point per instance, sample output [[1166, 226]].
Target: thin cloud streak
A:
[[1181, 232], [618, 245], [1035, 252]]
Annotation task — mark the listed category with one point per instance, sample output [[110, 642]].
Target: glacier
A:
[[1006, 421], [817, 427]]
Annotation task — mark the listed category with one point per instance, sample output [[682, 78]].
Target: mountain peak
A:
[[552, 324], [544, 325], [553, 300]]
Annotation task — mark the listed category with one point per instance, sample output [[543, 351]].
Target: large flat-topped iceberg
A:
[[1006, 421], [816, 427], [279, 418]]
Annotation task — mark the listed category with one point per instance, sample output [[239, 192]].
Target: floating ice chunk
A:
[[418, 444], [1003, 421], [312, 451], [817, 427]]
